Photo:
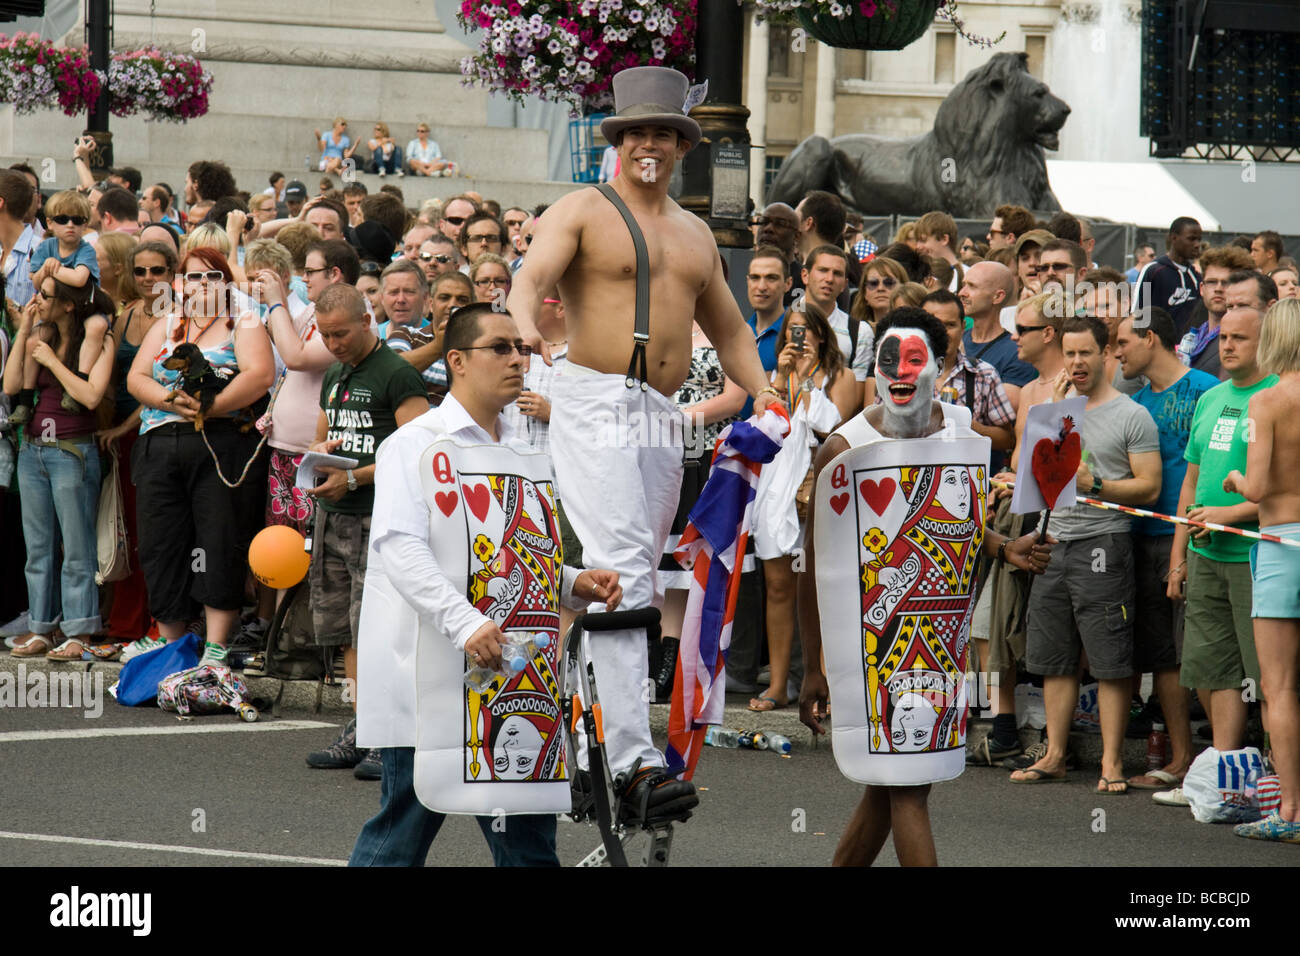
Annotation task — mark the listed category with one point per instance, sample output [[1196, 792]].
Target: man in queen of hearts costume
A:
[[897, 526], [466, 559]]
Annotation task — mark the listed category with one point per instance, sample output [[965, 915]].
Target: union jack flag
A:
[[713, 548]]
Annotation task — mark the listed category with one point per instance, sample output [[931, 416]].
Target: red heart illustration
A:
[[477, 499], [1055, 463], [446, 501], [840, 502], [878, 494]]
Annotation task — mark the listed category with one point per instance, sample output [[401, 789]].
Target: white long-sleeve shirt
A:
[[407, 594]]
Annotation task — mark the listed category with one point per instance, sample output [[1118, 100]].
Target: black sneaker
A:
[[371, 768], [343, 754], [990, 751], [650, 796]]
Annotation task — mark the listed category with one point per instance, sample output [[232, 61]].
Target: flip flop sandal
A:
[[1166, 779], [1105, 790], [765, 710], [32, 645], [68, 652], [1040, 776], [102, 652]]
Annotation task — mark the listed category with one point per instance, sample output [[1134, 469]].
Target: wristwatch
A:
[[352, 481], [1095, 490]]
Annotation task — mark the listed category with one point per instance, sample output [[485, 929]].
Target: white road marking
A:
[[162, 848], [231, 726]]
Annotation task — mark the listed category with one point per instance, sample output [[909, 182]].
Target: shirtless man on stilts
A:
[[617, 467]]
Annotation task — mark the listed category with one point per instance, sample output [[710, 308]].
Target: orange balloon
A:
[[277, 557]]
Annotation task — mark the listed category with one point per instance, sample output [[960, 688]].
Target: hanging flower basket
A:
[[170, 87], [37, 75], [567, 51], [884, 28], [869, 24]]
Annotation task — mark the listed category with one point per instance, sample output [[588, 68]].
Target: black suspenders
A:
[[636, 371]]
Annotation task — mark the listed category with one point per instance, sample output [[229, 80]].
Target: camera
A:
[[797, 334]]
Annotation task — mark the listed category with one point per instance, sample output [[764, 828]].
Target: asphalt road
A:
[[215, 791]]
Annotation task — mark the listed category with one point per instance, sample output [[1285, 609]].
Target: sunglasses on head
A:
[[64, 220], [441, 259], [141, 271], [212, 275]]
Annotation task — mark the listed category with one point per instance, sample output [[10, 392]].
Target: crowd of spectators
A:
[[325, 316]]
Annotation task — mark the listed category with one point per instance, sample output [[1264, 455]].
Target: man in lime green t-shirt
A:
[[1212, 571]]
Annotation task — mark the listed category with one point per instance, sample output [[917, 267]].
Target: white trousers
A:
[[618, 467]]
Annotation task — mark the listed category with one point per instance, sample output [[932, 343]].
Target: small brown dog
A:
[[199, 379]]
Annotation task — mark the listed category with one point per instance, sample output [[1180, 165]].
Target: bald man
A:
[[986, 290]]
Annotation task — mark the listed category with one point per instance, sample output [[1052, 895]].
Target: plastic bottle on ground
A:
[[717, 736]]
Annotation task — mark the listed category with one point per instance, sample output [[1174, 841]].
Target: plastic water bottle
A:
[[717, 736], [1157, 747], [479, 679], [539, 642], [1184, 351], [778, 744], [514, 658], [752, 740]]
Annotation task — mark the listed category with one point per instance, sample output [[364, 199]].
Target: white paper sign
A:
[[309, 477], [1046, 422]]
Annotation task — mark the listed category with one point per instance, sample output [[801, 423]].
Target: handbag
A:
[[110, 529], [804, 495]]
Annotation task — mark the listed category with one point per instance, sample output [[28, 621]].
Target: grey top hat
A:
[[650, 96]]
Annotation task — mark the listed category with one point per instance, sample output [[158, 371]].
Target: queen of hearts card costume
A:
[[898, 529]]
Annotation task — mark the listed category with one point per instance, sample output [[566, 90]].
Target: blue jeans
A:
[[391, 164], [403, 830], [60, 495]]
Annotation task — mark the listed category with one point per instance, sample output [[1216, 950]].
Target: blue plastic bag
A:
[[140, 677]]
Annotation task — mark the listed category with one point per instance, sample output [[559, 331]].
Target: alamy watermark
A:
[[78, 690]]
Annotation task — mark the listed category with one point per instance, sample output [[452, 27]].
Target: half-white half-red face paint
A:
[[906, 369]]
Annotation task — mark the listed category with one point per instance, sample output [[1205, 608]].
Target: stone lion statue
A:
[[986, 149]]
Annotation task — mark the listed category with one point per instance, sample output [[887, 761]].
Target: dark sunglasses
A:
[[441, 259], [142, 271], [64, 220], [1023, 330], [456, 220], [488, 237], [371, 268], [502, 349], [1053, 267], [888, 282], [212, 275]]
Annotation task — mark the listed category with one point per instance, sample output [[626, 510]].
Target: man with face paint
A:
[[911, 346]]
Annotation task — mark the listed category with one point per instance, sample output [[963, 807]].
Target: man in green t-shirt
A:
[[1212, 572], [365, 396]]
